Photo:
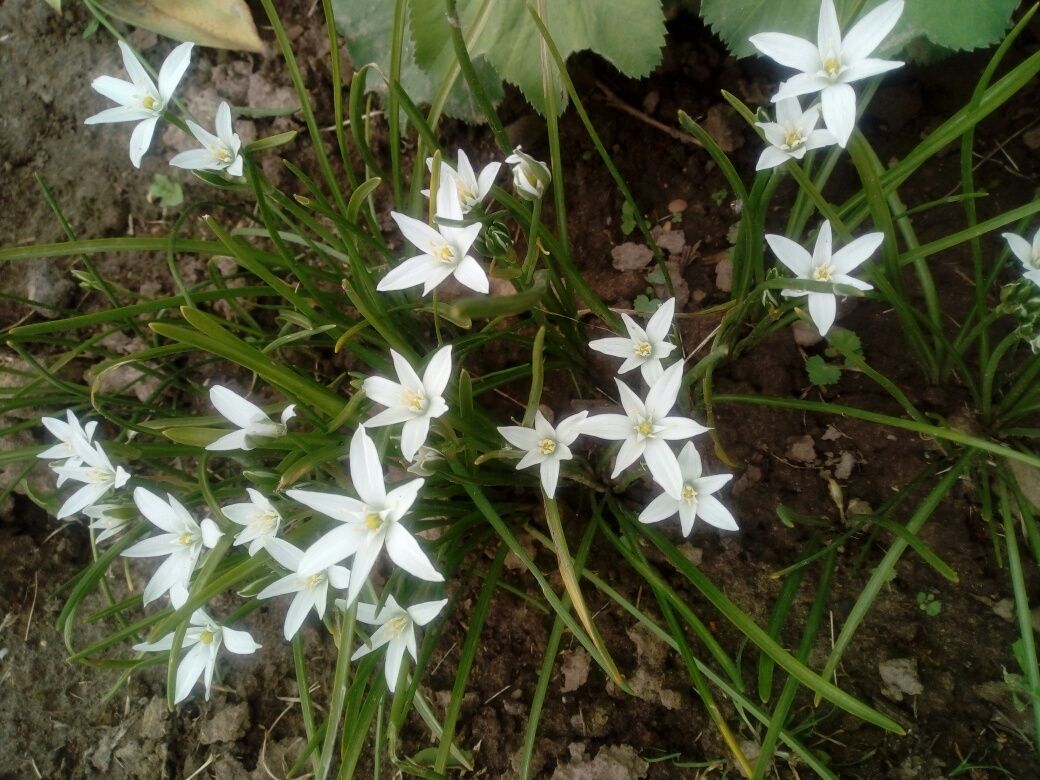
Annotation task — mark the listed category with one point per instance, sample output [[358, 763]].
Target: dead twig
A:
[[616, 102]]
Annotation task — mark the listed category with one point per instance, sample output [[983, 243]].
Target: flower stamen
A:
[[546, 446]]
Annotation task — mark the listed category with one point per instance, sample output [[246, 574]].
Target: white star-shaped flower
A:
[[396, 630], [823, 265], [833, 62], [545, 446], [92, 467], [445, 250], [202, 641], [254, 423], [792, 134], [67, 432], [1027, 254], [411, 400], [139, 99], [182, 542], [369, 524], [311, 590], [470, 188], [643, 349], [694, 499], [645, 429], [220, 152], [260, 518]]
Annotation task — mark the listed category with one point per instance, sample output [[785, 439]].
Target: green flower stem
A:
[[1023, 615], [531, 258], [570, 584], [989, 372], [306, 706], [552, 648], [340, 682]]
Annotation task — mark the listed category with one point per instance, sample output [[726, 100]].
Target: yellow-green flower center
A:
[[823, 273], [99, 475], [688, 493], [373, 521], [645, 428], [398, 624], [223, 154], [832, 66], [442, 251], [546, 446], [185, 538], [793, 138], [314, 581], [150, 103], [412, 400], [642, 348], [466, 193], [206, 637]]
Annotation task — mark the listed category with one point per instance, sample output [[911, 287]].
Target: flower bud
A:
[[530, 177]]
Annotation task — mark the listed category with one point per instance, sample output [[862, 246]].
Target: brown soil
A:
[[52, 723]]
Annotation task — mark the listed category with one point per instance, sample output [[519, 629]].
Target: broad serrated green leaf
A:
[[821, 373], [503, 42], [629, 34], [367, 27], [953, 24]]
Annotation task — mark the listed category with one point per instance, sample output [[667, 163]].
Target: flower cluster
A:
[[143, 101], [827, 67], [644, 430], [445, 249]]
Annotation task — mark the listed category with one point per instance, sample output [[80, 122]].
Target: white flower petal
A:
[[438, 372], [172, 70], [189, 670], [866, 35], [234, 407], [1020, 248], [663, 467], [607, 426], [846, 259], [866, 68], [297, 613], [338, 507], [239, 642], [423, 613], [366, 473], [141, 139], [711, 510], [822, 310], [839, 111], [394, 658], [406, 553], [413, 436], [797, 260], [470, 273], [661, 508], [196, 160], [614, 346], [550, 474], [789, 50]]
